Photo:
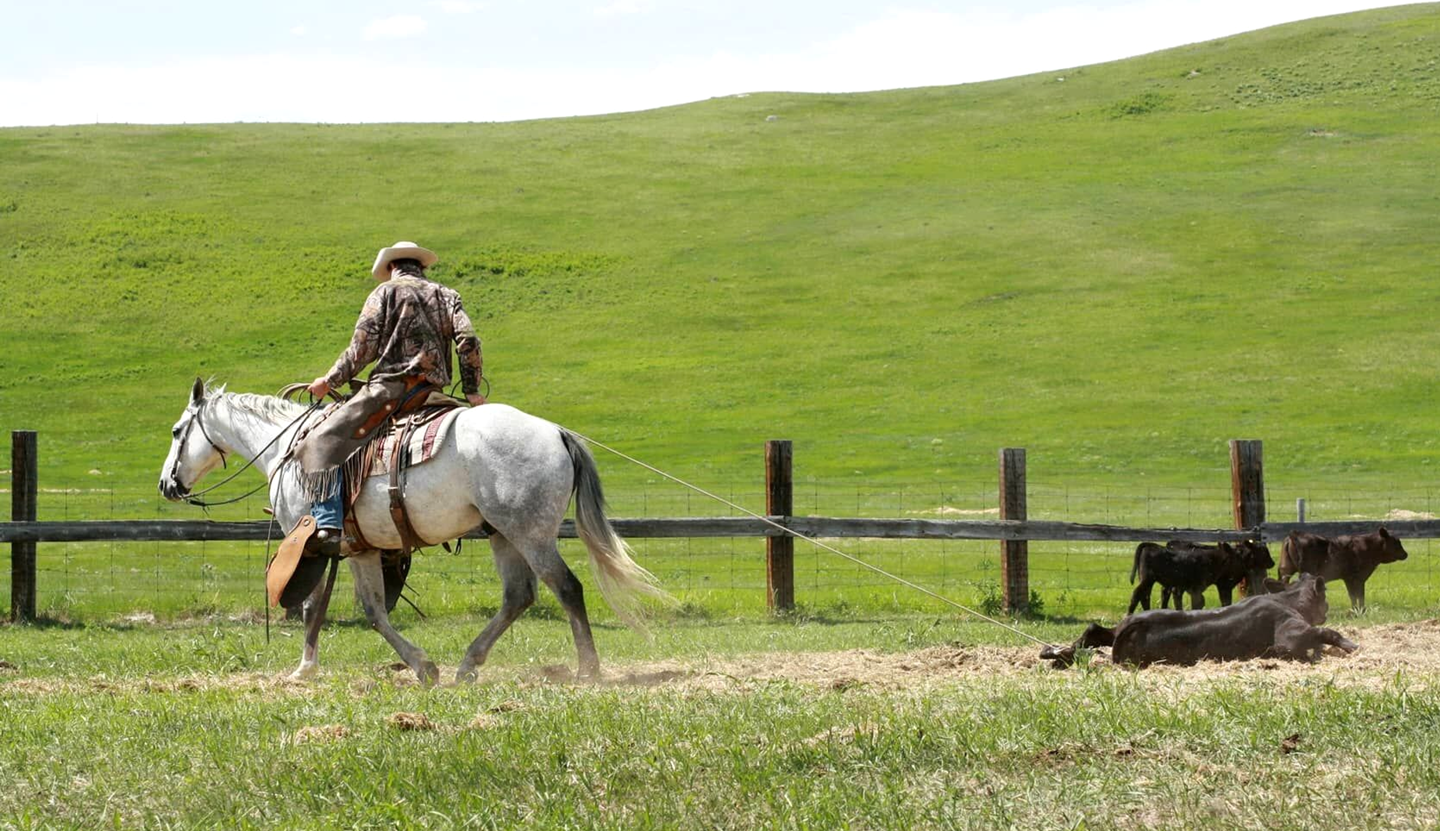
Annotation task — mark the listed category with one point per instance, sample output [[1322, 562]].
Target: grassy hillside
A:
[[1118, 267]]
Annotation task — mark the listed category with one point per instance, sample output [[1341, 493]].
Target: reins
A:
[[833, 550], [199, 419]]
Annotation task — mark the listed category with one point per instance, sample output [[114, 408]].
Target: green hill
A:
[[1118, 267]]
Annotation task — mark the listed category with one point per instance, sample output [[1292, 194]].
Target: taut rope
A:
[[833, 550]]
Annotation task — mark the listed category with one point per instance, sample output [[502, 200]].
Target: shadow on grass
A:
[[44, 622]]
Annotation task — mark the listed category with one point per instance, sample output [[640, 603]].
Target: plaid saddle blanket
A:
[[431, 426]]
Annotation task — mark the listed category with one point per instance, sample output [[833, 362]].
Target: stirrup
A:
[[325, 542]]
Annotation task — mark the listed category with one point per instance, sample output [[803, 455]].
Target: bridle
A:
[[198, 418], [199, 411]]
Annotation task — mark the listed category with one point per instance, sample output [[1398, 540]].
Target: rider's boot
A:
[[328, 513], [325, 542]]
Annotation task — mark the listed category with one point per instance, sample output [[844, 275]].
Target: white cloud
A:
[[399, 26], [622, 7], [899, 49], [307, 89], [458, 6], [299, 31]]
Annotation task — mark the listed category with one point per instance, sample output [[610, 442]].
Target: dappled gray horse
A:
[[497, 465]]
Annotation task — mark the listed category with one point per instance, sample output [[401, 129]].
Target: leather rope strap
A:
[[399, 462]]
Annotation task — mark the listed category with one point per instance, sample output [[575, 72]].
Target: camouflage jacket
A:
[[406, 328]]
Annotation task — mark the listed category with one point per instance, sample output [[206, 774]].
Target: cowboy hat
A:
[[401, 251]]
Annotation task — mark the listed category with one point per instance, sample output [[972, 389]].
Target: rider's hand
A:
[[319, 387], [475, 398]]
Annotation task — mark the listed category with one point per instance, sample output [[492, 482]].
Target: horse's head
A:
[[192, 453]]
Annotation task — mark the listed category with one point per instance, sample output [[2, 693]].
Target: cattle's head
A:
[[1094, 636], [1256, 554], [1255, 561], [1391, 551], [1310, 599]]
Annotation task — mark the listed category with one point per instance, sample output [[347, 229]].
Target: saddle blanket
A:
[[424, 440]]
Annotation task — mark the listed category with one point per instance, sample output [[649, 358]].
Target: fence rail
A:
[[139, 530], [1013, 530]]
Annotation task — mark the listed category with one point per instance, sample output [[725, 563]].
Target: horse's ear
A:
[[197, 392]]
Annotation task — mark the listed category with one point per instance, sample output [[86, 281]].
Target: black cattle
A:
[[1281, 625], [1190, 567], [1351, 558]]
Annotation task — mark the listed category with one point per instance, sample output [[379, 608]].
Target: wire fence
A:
[[718, 577]]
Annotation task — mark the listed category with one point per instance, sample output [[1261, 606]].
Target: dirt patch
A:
[[1397, 514], [484, 721], [411, 721], [1386, 649], [1407, 650], [248, 682], [950, 510]]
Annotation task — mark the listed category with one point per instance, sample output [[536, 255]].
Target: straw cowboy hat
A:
[[401, 251]]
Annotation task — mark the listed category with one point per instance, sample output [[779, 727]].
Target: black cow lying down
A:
[[1281, 625]]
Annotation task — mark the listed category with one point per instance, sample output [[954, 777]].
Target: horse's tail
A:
[[623, 582]]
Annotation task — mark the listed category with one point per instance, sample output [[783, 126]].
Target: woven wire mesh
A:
[[726, 576]]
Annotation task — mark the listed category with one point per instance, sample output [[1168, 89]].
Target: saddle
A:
[[412, 435], [402, 434]]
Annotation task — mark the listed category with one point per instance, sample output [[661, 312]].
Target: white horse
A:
[[497, 464]]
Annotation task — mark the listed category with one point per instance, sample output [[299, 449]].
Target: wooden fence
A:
[[1013, 529]]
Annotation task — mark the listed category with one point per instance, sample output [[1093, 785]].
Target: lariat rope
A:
[[830, 548], [833, 550]]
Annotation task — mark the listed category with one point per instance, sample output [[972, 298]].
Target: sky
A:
[[349, 61]]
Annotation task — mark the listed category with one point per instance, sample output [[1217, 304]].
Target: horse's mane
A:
[[266, 407]]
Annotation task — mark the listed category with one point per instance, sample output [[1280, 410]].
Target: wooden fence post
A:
[[1247, 483], [1014, 554], [779, 551], [24, 491]]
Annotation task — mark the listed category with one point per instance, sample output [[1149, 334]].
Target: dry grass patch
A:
[[320, 734], [411, 721]]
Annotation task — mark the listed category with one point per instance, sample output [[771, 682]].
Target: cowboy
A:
[[406, 328]]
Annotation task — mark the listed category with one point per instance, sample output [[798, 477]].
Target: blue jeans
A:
[[330, 513]]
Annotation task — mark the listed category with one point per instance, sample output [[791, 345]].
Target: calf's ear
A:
[[1383, 532]]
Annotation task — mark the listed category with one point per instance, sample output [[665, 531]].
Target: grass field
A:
[[788, 724], [1118, 271]]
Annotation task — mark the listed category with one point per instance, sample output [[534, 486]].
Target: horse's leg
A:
[[370, 588], [518, 583], [545, 560], [314, 614]]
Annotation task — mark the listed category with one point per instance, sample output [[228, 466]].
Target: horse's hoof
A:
[[466, 675], [428, 673], [305, 672], [588, 673]]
